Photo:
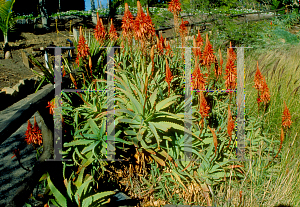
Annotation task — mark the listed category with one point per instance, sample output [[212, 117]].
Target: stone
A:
[[75, 34], [18, 87], [10, 91], [282, 40], [8, 55], [25, 59], [94, 18]]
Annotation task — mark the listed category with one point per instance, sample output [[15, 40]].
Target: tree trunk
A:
[[92, 5], [44, 14]]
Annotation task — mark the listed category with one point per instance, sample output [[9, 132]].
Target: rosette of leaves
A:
[[6, 19], [79, 192], [147, 114]]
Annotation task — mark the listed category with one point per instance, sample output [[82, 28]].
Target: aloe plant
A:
[[6, 20]]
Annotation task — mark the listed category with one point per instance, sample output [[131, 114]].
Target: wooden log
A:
[[32, 179], [17, 114]]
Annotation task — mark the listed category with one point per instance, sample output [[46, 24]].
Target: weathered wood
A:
[[32, 179], [25, 59], [15, 115]]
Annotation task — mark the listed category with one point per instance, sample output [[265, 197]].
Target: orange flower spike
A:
[[194, 45], [99, 31], [208, 53], [215, 139], [140, 25], [174, 6], [37, 133], [28, 133], [51, 107], [169, 50], [230, 124], [198, 43], [286, 117], [198, 81], [232, 53], [112, 31], [182, 28], [64, 72], [150, 26], [127, 24], [160, 45], [152, 59], [258, 79], [265, 95], [90, 66], [82, 48], [169, 76], [231, 73], [139, 7], [221, 63], [204, 108], [199, 40]]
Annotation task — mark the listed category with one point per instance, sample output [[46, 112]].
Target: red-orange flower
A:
[[37, 133], [265, 94], [143, 26], [150, 32], [221, 63], [198, 42], [174, 6], [231, 73], [258, 79], [286, 117], [16, 153], [183, 29], [82, 48], [198, 81], [169, 76], [112, 31], [51, 106], [208, 53], [99, 31], [28, 133], [168, 49], [63, 70], [204, 108], [33, 135], [232, 53], [261, 85], [160, 45], [230, 124], [127, 24]]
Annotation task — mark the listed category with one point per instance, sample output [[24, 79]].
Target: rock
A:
[[10, 91], [8, 55], [94, 18], [282, 40], [18, 87], [75, 34]]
